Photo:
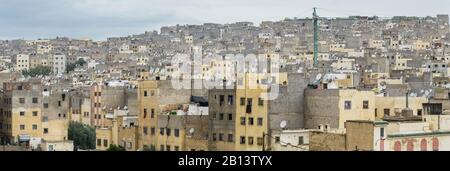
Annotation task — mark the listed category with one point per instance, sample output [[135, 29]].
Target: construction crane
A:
[[316, 38]]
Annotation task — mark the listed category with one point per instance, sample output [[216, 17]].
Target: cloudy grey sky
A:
[[99, 19]]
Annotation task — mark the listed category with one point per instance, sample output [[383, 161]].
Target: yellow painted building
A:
[[148, 113], [154, 97], [239, 116], [330, 109], [20, 111], [391, 106]]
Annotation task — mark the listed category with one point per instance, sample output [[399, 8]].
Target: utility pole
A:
[[264, 142], [316, 38]]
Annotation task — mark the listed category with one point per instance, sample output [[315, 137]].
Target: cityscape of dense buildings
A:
[[379, 84]]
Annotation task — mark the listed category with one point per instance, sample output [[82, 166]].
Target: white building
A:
[[22, 62], [59, 64], [291, 140]]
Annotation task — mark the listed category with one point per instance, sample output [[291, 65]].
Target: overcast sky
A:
[[99, 19]]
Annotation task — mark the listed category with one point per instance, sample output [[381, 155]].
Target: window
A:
[[168, 131], [35, 113], [22, 100], [145, 93], [277, 139], [242, 140], [230, 100], [161, 131], [260, 121], [221, 100], [19, 87], [45, 130], [105, 143], [168, 148], [22, 127], [230, 117], [230, 138], [381, 132], [152, 114], [250, 140], [419, 112], [242, 101], [22, 113], [387, 112], [243, 120], [250, 121], [260, 102], [214, 137], [177, 148], [300, 140], [145, 130], [152, 130], [59, 103], [347, 105], [221, 116], [177, 133], [221, 137], [249, 101], [99, 142], [259, 141], [152, 93], [365, 104], [249, 105], [35, 100], [35, 127], [214, 116], [145, 113]]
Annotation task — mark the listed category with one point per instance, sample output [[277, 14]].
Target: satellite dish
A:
[[318, 77], [191, 131], [427, 93], [283, 124]]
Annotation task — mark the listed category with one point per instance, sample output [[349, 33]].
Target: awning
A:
[[24, 137]]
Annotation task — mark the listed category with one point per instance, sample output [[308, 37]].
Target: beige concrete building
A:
[[21, 111], [332, 108], [391, 106], [239, 116], [154, 97]]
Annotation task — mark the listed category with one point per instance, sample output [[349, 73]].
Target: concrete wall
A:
[[289, 104], [359, 136], [321, 107], [57, 146], [222, 126], [323, 141]]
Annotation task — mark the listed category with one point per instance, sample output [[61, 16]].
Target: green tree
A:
[[80, 62], [37, 71], [149, 148], [83, 136], [114, 147], [71, 67]]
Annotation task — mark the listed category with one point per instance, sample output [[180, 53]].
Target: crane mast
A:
[[316, 38]]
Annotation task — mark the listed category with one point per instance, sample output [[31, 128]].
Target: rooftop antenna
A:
[[316, 37]]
